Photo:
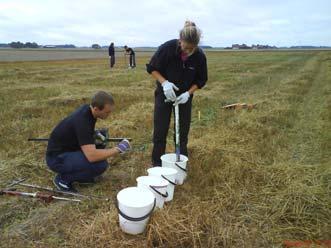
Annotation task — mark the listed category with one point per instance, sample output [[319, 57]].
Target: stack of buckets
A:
[[136, 204]]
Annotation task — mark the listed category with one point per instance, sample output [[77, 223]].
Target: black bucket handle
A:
[[183, 169], [135, 218], [169, 180], [161, 194]]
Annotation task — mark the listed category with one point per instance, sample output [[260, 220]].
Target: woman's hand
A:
[[168, 89]]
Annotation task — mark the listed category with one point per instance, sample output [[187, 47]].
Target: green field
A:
[[47, 54], [256, 178]]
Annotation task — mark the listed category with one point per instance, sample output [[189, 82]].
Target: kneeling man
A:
[[71, 150]]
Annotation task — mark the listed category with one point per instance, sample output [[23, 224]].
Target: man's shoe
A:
[[62, 185]]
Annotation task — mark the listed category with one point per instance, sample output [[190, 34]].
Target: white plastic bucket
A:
[[168, 174], [157, 185], [169, 160], [135, 205]]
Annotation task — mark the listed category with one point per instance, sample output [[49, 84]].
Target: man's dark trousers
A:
[[132, 60], [112, 61], [74, 167]]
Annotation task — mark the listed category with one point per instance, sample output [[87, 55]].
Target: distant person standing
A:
[[111, 52], [129, 51]]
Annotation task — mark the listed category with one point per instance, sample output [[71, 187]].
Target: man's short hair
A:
[[101, 98]]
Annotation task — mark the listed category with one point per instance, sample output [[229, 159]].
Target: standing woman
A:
[[180, 68]]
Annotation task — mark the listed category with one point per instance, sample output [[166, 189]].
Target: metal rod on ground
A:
[[15, 182], [43, 196], [109, 139], [58, 191], [140, 149]]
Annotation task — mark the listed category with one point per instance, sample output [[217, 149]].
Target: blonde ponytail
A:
[[189, 24], [190, 33]]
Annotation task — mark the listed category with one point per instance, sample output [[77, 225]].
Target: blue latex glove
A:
[[123, 146]]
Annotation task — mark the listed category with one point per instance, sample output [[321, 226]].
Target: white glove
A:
[[183, 98], [168, 89]]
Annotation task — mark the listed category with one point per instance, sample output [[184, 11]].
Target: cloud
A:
[[223, 22]]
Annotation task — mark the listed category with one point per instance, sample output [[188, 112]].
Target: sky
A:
[[152, 22]]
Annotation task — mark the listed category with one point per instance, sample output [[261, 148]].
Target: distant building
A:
[[96, 46], [243, 46], [235, 46]]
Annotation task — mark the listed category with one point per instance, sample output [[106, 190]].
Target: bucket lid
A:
[[165, 171], [135, 197], [153, 181], [171, 157]]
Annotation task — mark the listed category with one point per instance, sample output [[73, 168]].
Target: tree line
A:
[[18, 44]]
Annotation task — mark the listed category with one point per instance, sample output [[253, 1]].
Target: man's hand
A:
[[101, 138], [168, 89], [183, 98], [123, 146]]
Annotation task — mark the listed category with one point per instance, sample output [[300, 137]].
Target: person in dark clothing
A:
[[111, 52], [129, 51], [71, 151], [180, 68]]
